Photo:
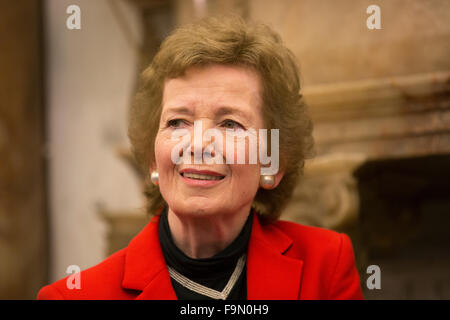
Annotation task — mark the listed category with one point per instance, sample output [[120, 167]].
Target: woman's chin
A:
[[199, 207]]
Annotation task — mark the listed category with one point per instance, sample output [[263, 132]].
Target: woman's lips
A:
[[201, 171], [201, 177]]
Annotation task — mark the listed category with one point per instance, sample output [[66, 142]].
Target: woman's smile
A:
[[202, 178]]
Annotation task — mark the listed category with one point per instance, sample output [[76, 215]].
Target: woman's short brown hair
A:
[[229, 41]]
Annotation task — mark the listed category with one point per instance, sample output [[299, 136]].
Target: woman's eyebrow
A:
[[177, 110], [221, 111], [226, 110]]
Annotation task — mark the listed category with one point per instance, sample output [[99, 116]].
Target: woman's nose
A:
[[201, 145]]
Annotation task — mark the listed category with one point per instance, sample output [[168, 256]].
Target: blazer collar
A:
[[145, 267], [270, 274]]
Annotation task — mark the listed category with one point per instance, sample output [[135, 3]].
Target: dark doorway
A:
[[404, 226]]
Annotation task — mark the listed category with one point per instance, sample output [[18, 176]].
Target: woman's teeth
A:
[[201, 176]]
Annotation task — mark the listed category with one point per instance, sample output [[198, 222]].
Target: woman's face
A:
[[217, 97]]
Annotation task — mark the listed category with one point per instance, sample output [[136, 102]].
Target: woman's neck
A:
[[204, 236]]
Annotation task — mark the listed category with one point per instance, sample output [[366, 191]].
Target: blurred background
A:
[[70, 193]]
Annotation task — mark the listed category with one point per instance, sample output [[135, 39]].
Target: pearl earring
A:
[[154, 177], [267, 181]]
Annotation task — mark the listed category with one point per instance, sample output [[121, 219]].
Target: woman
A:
[[215, 233]]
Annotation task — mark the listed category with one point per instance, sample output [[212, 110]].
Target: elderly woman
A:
[[215, 232]]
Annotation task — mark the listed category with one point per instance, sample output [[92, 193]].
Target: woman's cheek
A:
[[161, 154]]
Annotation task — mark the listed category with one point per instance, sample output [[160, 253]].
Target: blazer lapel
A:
[[160, 288], [270, 274], [145, 267]]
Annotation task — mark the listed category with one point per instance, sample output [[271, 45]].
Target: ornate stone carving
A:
[[327, 194]]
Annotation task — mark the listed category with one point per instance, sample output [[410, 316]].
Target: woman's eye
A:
[[175, 123], [230, 124]]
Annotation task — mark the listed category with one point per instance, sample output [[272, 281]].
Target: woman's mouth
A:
[[201, 177], [198, 176]]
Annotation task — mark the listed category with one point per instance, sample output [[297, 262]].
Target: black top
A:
[[213, 272]]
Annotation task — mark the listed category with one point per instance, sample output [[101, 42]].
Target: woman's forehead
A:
[[221, 87], [215, 78]]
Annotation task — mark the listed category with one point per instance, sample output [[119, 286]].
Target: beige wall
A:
[[333, 44], [90, 77]]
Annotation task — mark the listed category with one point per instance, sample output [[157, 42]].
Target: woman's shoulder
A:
[[312, 241], [303, 232], [329, 269]]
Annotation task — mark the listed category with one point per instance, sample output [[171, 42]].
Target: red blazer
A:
[[285, 261]]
